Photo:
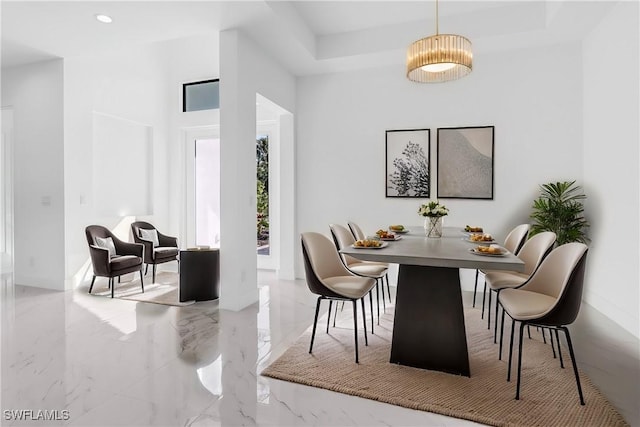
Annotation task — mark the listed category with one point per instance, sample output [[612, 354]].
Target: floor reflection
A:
[[116, 362]]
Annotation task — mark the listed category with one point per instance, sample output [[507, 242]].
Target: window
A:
[[204, 95]]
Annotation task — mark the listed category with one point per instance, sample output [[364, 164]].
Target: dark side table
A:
[[199, 274]]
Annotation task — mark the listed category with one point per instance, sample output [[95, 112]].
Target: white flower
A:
[[433, 208]]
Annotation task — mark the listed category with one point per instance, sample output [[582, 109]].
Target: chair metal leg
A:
[[484, 296], [335, 315], [501, 334], [92, 282], [521, 335], [544, 337], [329, 314], [141, 281], [146, 270], [559, 350], [573, 360], [513, 327], [371, 304], [378, 300], [364, 322], [154, 274], [384, 305], [495, 326], [386, 276], [315, 323], [553, 346], [489, 311], [113, 286], [355, 326], [119, 279], [475, 288]]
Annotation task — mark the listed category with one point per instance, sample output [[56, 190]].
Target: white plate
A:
[[480, 242], [471, 232], [476, 252], [382, 245], [399, 231], [393, 239]]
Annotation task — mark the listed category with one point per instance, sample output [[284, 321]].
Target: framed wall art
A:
[[465, 162], [407, 168]]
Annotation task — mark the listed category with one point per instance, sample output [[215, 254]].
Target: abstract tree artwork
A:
[[408, 163]]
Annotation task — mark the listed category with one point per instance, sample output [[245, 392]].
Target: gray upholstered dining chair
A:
[[158, 248], [327, 277], [356, 231], [513, 243], [112, 257], [550, 299], [375, 270], [532, 254], [358, 234]]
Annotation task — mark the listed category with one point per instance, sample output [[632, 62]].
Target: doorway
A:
[[207, 191], [267, 200], [202, 179], [263, 211], [202, 182]]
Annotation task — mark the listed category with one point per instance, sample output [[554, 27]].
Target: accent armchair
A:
[[158, 248], [112, 257]]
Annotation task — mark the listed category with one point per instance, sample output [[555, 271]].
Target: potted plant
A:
[[559, 209]]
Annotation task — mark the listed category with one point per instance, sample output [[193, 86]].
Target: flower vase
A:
[[433, 226]]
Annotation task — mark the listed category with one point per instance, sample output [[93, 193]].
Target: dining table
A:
[[428, 325]]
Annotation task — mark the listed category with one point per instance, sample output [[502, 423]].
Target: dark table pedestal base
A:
[[428, 328]]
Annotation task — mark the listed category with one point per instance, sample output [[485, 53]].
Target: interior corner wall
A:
[[342, 118], [245, 70], [35, 92], [129, 85], [611, 158]]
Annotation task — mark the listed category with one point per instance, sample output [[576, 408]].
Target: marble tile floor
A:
[[104, 362]]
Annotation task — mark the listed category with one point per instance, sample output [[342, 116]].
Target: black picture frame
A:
[[465, 162], [408, 163]]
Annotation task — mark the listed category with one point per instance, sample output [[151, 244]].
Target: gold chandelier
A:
[[439, 58]]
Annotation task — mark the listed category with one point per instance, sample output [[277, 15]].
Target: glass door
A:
[[200, 223], [207, 191]]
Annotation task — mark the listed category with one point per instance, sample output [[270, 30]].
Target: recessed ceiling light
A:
[[106, 19]]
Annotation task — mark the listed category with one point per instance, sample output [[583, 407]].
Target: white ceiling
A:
[[306, 36]]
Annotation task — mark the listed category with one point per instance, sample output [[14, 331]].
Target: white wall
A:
[[244, 72], [611, 165], [142, 85], [533, 97], [129, 85], [36, 94]]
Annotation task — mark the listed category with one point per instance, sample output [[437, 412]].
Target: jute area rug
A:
[[164, 291], [548, 395]]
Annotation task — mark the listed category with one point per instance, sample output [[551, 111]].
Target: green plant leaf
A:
[[559, 209]]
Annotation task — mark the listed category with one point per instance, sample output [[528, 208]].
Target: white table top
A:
[[451, 250]]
